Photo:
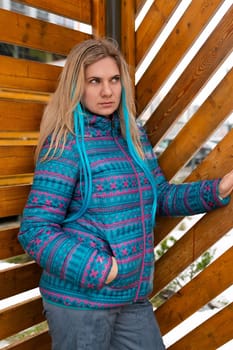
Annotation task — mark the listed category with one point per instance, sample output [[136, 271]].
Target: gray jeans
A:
[[131, 327]]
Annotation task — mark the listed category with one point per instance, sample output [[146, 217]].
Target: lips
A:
[[106, 104]]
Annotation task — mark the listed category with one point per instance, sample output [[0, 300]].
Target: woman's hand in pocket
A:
[[113, 272]]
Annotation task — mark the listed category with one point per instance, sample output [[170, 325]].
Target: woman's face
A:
[[102, 91]]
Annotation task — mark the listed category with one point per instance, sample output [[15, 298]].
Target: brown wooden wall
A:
[[197, 129], [25, 88]]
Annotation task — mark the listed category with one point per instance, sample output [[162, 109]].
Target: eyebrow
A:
[[97, 77]]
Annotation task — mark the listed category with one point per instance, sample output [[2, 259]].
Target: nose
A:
[[106, 89]]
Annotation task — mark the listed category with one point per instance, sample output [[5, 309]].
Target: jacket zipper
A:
[[141, 206]]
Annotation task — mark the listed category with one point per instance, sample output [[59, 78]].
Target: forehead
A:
[[105, 66]]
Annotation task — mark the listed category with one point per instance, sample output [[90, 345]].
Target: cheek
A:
[[87, 98]]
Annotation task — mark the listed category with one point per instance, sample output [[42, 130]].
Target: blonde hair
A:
[[57, 120]]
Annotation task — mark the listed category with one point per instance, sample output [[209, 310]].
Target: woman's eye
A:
[[115, 79], [94, 81]]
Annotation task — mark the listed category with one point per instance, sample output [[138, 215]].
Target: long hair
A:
[[58, 119], [64, 113]]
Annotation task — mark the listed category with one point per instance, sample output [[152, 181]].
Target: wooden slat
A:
[[20, 116], [98, 18], [216, 164], [27, 75], [16, 160], [151, 25], [189, 299], [18, 138], [13, 200], [187, 249], [78, 10], [36, 342], [212, 53], [19, 179], [181, 38], [211, 334], [24, 315], [19, 278], [22, 95], [9, 242], [128, 11], [195, 132], [33, 33], [139, 4]]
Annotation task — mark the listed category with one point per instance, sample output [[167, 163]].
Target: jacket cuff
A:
[[222, 201]]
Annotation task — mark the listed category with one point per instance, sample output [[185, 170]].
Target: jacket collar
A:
[[98, 125]]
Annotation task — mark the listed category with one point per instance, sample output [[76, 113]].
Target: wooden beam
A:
[[27, 75], [16, 160], [152, 24], [216, 164], [188, 248], [210, 56], [195, 294], [77, 10], [19, 278], [9, 241], [211, 334], [13, 200], [197, 130], [178, 42], [98, 20], [21, 116], [16, 318], [33, 33], [38, 341]]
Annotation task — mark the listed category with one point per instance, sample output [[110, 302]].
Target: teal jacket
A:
[[76, 254]]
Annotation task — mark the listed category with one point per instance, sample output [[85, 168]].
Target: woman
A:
[[91, 211]]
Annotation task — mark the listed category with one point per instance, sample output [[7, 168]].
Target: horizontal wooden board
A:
[[27, 75], [157, 16], [210, 56], [20, 116], [13, 200], [197, 130], [194, 295], [78, 10], [19, 179], [210, 335], [9, 244], [18, 139], [36, 342], [16, 159], [19, 278], [21, 316], [19, 95], [30, 32]]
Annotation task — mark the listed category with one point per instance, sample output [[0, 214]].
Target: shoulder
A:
[[142, 134]]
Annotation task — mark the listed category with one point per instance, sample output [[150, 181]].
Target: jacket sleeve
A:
[[185, 198], [42, 234]]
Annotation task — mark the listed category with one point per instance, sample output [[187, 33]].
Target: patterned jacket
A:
[[76, 256]]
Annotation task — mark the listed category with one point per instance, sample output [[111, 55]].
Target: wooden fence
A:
[[25, 88]]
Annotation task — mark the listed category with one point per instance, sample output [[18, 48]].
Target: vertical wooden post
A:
[[128, 10], [99, 18]]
